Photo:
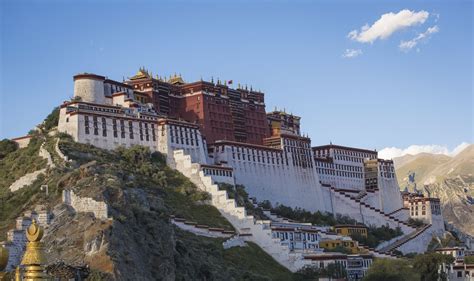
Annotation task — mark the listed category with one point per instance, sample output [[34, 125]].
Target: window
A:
[[104, 127], [141, 130], [114, 127], [86, 124], [96, 126], [146, 132], [122, 129], [130, 129]]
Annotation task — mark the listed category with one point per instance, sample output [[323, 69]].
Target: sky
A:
[[369, 74]]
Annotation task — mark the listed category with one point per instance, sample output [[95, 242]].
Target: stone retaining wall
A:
[[85, 204]]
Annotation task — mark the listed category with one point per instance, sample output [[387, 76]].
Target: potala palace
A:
[[213, 133]]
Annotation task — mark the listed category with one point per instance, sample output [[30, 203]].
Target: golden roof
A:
[[176, 79], [141, 74]]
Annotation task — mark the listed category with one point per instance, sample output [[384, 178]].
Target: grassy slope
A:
[[117, 171], [12, 167], [181, 198], [239, 263], [19, 163]]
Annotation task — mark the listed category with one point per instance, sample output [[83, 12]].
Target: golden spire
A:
[[3, 261], [34, 258]]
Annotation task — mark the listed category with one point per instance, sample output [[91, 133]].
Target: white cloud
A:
[[392, 152], [352, 53], [408, 45], [387, 25]]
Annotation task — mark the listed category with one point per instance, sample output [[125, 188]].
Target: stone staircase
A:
[[247, 227], [372, 211], [398, 243], [409, 230], [324, 230]]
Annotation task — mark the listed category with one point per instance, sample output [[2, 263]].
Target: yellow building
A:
[[331, 244], [348, 230]]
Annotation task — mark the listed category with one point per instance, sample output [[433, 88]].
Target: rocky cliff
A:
[[449, 178]]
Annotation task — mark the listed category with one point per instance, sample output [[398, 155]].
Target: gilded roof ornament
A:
[[141, 74], [176, 79], [3, 261], [34, 258]]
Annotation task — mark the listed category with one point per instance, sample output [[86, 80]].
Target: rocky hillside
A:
[[449, 178], [138, 241]]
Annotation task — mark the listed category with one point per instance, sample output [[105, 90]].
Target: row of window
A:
[[296, 143], [387, 175], [298, 236], [342, 152], [349, 158], [270, 159], [184, 135], [340, 173], [301, 156], [98, 108], [146, 131], [217, 172], [387, 168]]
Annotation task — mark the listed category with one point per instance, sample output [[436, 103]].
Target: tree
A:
[[334, 270], [469, 260], [308, 273], [7, 146], [428, 264], [52, 119], [391, 270]]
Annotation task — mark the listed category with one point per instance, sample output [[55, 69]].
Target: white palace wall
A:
[[272, 174], [275, 181], [390, 195]]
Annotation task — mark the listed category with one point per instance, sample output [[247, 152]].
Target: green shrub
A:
[[427, 265], [416, 222], [316, 218], [391, 270], [469, 260], [51, 120], [20, 162], [7, 146], [313, 272], [376, 235]]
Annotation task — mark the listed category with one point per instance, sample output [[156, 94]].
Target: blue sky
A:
[[293, 51]]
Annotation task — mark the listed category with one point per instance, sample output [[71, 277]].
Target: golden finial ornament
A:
[[34, 258], [3, 262], [17, 274]]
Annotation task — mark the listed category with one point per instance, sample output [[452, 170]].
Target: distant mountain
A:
[[449, 178]]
